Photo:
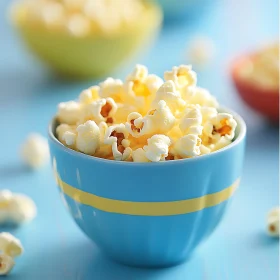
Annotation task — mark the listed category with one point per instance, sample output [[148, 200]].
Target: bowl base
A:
[[150, 264]]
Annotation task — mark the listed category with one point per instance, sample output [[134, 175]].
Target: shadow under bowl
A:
[[148, 214]]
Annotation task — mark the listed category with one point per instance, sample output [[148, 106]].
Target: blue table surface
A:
[[54, 247]]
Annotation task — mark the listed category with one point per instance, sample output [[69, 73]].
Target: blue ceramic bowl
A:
[[148, 214]]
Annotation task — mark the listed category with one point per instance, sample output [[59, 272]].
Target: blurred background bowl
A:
[[148, 214], [94, 55], [264, 100]]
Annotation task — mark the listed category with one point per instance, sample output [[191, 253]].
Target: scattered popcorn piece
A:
[[184, 78], [69, 112], [89, 95], [16, 208], [157, 148], [88, 138], [139, 155], [273, 222], [5, 198], [187, 146], [191, 122], [6, 264], [201, 51], [9, 245], [35, 151], [22, 209], [171, 96]]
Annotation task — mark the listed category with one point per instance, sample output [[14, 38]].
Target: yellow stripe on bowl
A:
[[148, 208]]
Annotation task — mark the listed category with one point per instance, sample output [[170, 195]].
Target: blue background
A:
[[55, 247]]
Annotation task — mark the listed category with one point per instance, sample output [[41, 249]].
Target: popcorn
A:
[[158, 120], [10, 248], [88, 137], [144, 119], [117, 136], [140, 87], [273, 222], [184, 79], [221, 143], [89, 95], [61, 130], [207, 113], [69, 112], [139, 155], [202, 97], [112, 88], [35, 151], [171, 96], [157, 148], [52, 15], [187, 146], [16, 208], [79, 18], [204, 150], [221, 125], [78, 25], [69, 138], [9, 245], [22, 209], [191, 122], [100, 110], [122, 112], [6, 264], [201, 51]]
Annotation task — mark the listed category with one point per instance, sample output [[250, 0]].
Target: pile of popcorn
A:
[[145, 119], [80, 17], [263, 67]]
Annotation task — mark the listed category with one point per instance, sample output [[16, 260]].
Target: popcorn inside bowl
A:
[[145, 119]]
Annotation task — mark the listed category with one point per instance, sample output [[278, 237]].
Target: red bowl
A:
[[263, 100]]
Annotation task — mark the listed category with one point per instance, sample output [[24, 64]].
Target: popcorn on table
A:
[[10, 247], [200, 51], [273, 222], [35, 150], [16, 208], [145, 119]]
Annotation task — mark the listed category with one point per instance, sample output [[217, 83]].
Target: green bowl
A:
[[92, 56]]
